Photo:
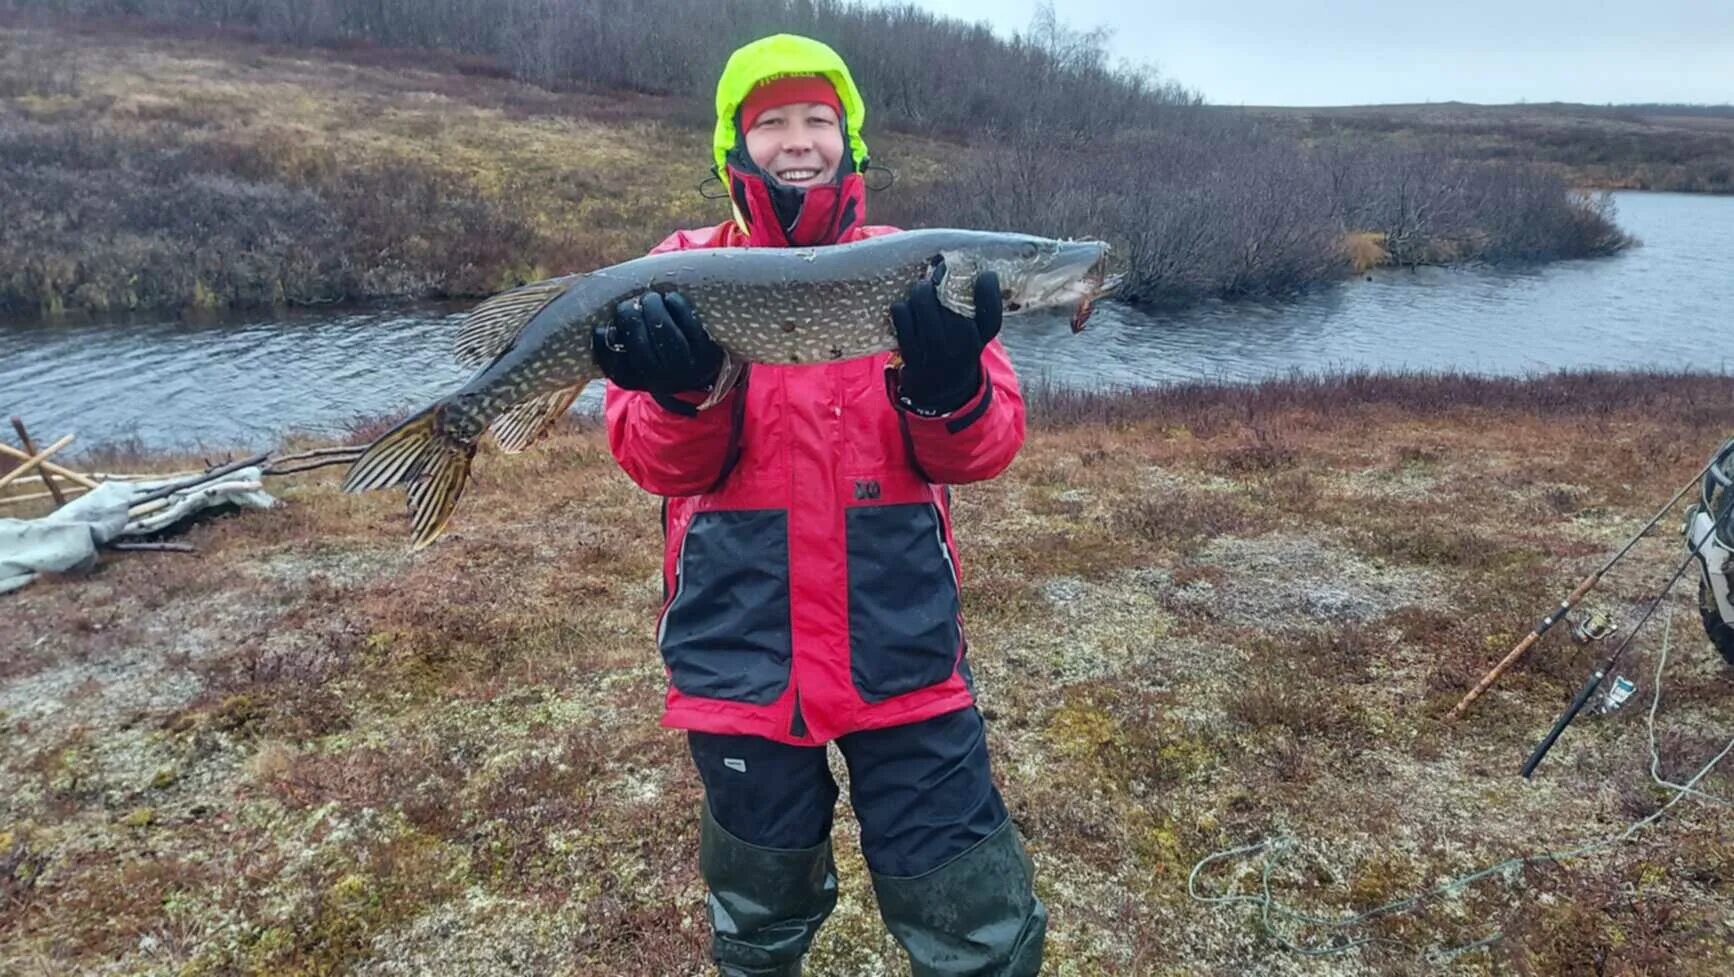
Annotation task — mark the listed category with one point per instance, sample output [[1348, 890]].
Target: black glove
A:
[[656, 343], [941, 349]]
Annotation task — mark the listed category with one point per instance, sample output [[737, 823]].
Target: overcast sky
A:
[[1345, 52]]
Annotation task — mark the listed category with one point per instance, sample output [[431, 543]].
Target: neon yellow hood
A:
[[775, 57]]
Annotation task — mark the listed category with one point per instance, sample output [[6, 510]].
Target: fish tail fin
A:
[[434, 496], [418, 452]]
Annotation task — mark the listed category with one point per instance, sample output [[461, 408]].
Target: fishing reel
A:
[[1594, 626], [1709, 532]]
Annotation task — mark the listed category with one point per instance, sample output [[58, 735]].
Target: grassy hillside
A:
[[302, 178], [145, 166], [1636, 147], [1200, 617], [917, 69], [206, 171]]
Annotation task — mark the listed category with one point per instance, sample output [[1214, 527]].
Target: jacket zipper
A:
[[956, 581], [945, 552], [679, 582], [797, 722]]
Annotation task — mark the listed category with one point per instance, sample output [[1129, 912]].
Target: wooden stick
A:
[[155, 505], [147, 508], [6, 449], [348, 449], [10, 499], [275, 468], [33, 461], [100, 477], [307, 461], [214, 473], [30, 446], [161, 547], [38, 476], [144, 476]]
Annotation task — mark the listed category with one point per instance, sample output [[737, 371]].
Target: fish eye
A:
[[1030, 251]]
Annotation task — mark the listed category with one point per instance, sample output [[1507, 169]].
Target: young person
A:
[[811, 584]]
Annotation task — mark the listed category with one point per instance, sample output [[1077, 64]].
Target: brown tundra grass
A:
[[1201, 616]]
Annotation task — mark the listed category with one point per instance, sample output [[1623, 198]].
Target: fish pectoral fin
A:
[[490, 327], [435, 466], [730, 374], [528, 421]]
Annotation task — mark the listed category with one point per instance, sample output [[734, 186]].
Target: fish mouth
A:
[[1100, 285], [1083, 289]]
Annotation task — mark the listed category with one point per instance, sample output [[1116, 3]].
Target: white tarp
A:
[[68, 538]]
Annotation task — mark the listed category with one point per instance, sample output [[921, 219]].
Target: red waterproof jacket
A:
[[811, 582]]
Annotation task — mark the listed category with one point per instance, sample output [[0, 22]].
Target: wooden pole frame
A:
[[30, 446], [32, 461], [84, 480]]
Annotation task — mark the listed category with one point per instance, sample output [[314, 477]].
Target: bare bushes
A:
[[1210, 206], [103, 219], [1429, 208], [917, 68]]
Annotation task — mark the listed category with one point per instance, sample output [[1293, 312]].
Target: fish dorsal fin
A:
[[490, 327], [527, 421]]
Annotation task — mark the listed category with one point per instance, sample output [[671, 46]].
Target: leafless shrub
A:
[[29, 71], [918, 68], [1261, 450], [1209, 205], [107, 220]]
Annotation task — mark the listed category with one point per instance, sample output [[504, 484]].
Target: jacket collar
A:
[[774, 215]]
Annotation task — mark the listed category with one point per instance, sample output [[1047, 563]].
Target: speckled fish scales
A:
[[761, 305]]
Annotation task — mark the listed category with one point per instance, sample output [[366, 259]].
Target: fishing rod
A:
[[1595, 679], [1571, 601]]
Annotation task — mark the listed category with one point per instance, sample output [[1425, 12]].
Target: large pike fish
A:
[[761, 305]]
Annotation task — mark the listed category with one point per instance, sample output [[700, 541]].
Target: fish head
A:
[[1034, 273]]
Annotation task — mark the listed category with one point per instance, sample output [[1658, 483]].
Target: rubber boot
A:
[[765, 904], [975, 916]]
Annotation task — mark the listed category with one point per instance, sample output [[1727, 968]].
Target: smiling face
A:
[[800, 144]]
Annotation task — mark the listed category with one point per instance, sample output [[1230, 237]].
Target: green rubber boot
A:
[[765, 904], [975, 916]]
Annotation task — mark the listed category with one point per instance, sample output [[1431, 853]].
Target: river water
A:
[[243, 381]]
